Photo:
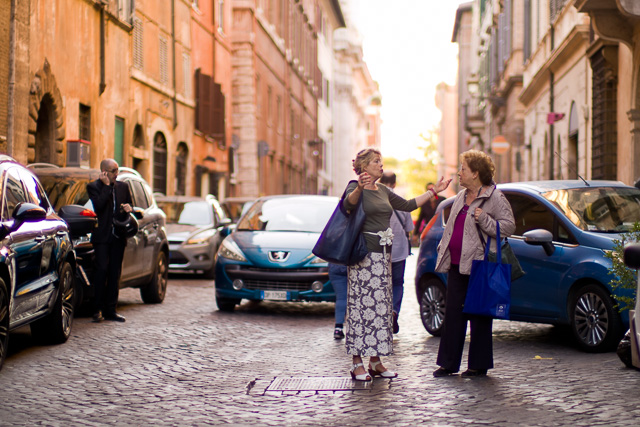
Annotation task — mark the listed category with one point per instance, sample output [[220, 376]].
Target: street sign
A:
[[500, 145]]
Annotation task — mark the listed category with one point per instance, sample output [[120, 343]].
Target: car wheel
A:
[[226, 304], [4, 321], [595, 321], [432, 306], [56, 327], [155, 291]]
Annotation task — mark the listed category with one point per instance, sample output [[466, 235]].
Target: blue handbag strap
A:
[[498, 248], [345, 195]]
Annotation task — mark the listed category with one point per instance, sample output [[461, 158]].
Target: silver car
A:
[[193, 231]]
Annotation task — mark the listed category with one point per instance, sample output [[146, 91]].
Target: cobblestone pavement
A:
[[185, 363]]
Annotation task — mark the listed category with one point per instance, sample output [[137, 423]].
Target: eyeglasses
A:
[[113, 170]]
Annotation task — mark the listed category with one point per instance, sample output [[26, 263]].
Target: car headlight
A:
[[229, 249], [201, 238], [318, 260]]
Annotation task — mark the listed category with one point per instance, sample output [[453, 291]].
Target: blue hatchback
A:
[[268, 255], [563, 230]]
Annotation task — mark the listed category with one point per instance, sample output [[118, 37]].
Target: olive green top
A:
[[378, 205]]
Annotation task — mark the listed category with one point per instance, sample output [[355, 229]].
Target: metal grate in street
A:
[[317, 384]]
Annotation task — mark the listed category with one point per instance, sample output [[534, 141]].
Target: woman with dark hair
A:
[[369, 302], [479, 204]]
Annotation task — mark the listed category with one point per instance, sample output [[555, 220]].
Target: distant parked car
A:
[[37, 261], [268, 255], [563, 230], [145, 264], [193, 230]]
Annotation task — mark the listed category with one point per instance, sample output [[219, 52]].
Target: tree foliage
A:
[[624, 277]]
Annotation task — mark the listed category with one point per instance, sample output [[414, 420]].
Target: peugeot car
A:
[[268, 255]]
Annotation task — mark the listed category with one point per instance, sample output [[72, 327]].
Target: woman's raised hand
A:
[[442, 184]]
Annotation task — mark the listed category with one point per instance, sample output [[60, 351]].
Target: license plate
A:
[[275, 295]]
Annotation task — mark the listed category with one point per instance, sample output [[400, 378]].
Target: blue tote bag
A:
[[489, 291], [341, 241]]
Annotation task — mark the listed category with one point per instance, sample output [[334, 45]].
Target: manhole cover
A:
[[317, 384]]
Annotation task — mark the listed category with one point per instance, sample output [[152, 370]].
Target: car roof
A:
[[295, 196], [239, 199], [71, 172], [559, 184], [180, 198]]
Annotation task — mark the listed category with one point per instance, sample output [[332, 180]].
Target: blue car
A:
[[563, 230], [268, 255]]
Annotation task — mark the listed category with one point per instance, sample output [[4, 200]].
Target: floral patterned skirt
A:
[[369, 323]]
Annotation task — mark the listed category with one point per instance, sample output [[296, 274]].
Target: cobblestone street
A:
[[185, 363]]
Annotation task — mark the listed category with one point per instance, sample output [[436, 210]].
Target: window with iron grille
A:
[[138, 45], [555, 7], [85, 122], [604, 126], [181, 168]]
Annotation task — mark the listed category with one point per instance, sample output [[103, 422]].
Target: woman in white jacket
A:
[[481, 203]]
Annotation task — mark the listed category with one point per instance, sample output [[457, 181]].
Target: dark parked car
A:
[[194, 227], [268, 255], [145, 264], [563, 230], [37, 261]]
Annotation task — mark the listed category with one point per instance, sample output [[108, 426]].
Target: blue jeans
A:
[[397, 280], [338, 277]]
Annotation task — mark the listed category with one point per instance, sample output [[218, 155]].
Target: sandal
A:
[[361, 377], [373, 371]]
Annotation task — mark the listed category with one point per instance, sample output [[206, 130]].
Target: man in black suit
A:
[[110, 198]]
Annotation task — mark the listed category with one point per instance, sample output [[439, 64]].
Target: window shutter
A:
[[501, 43], [526, 49], [138, 46], [217, 118], [203, 102], [507, 28], [163, 56]]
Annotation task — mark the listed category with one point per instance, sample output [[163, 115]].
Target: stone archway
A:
[[45, 142]]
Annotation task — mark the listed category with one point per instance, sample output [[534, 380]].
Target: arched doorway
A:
[[160, 163], [47, 128]]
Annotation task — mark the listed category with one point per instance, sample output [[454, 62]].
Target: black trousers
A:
[[106, 275], [454, 329]]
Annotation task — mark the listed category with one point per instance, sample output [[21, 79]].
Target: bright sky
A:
[[407, 47]]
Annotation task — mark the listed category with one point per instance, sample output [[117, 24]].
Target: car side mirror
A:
[[224, 221], [632, 255], [227, 229], [540, 237], [24, 212], [138, 212]]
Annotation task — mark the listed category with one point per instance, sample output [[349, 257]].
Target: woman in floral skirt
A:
[[369, 297]]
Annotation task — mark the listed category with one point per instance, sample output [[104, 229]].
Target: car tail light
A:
[[88, 212], [428, 227]]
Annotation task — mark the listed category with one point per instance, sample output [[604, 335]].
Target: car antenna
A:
[[572, 169]]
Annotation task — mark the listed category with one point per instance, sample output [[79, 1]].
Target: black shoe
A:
[[474, 373], [396, 327], [97, 317], [338, 333], [115, 317], [443, 372]]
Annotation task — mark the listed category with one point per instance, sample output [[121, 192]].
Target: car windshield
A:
[[62, 192], [600, 209], [307, 214], [187, 213]]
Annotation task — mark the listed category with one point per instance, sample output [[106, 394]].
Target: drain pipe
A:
[[173, 54], [12, 77], [103, 83]]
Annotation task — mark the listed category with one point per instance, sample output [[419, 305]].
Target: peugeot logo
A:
[[278, 256]]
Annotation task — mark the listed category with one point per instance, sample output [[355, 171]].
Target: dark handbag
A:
[[341, 241], [508, 256], [489, 291]]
